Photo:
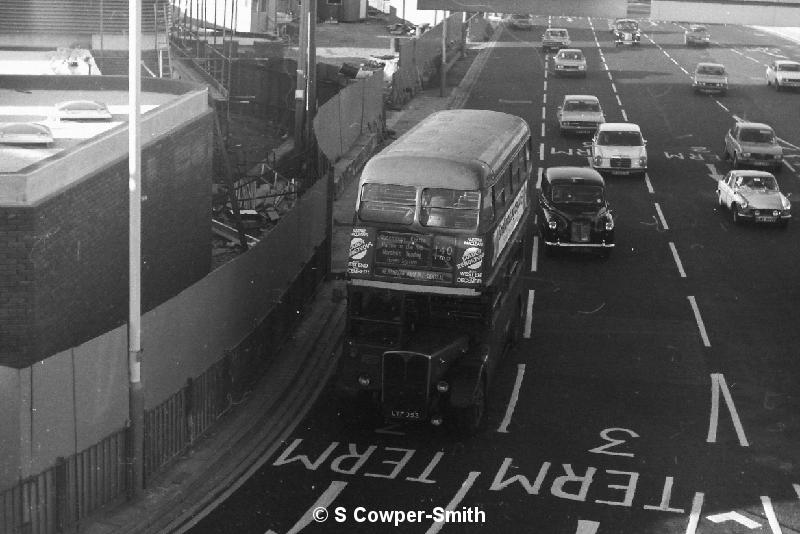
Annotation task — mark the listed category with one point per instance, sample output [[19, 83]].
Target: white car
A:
[[570, 61], [619, 148], [555, 39], [710, 78], [783, 73], [754, 196], [580, 114]]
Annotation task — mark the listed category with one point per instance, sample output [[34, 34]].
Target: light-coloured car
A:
[[569, 61], [520, 22], [619, 148], [626, 32], [783, 73], [697, 35], [580, 114], [555, 39], [25, 133], [754, 196], [710, 78], [753, 144]]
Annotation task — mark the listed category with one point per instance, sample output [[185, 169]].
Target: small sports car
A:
[[570, 61], [697, 35], [753, 144], [580, 114], [573, 210], [626, 32], [710, 78], [783, 73], [555, 39], [754, 196]]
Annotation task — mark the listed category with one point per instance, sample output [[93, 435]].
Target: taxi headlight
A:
[[743, 203], [609, 224], [598, 160], [552, 224], [776, 213]]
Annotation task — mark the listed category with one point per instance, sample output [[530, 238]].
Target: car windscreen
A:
[[627, 26], [450, 208], [790, 67], [555, 33], [388, 203], [756, 136], [612, 138], [711, 70], [698, 29], [581, 105], [577, 194], [574, 56], [760, 182]]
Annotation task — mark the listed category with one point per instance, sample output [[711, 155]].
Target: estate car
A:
[[753, 144], [574, 211], [754, 196], [710, 78], [619, 148], [580, 114], [783, 73], [570, 61], [555, 39]]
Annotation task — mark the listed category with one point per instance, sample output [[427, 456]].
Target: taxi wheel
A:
[[735, 214]]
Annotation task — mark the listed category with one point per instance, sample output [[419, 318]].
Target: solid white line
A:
[[699, 321], [784, 141], [648, 184], [529, 315], [459, 496], [661, 216], [324, 501], [535, 253], [512, 404], [771, 517], [694, 515], [624, 115], [677, 259]]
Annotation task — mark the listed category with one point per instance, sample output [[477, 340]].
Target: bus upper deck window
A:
[[450, 208], [388, 203]]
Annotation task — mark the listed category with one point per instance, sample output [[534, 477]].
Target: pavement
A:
[[248, 435]]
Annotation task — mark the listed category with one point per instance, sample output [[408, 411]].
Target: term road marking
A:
[[324, 501], [512, 404], [459, 496], [718, 383]]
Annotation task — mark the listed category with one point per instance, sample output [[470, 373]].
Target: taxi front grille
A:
[[580, 231], [404, 380]]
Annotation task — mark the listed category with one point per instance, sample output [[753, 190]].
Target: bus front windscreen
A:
[[450, 208], [388, 203]]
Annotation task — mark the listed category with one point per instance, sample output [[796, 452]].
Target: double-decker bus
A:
[[435, 267]]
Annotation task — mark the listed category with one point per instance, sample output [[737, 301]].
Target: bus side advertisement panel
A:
[[362, 252], [470, 265], [509, 222]]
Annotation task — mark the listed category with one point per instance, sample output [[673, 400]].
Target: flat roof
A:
[[37, 105]]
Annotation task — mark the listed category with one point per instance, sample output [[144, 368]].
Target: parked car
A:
[[783, 73], [754, 196], [555, 39], [570, 61], [25, 133], [580, 114], [520, 22], [574, 211], [697, 35], [710, 78], [619, 148], [626, 32], [753, 144]]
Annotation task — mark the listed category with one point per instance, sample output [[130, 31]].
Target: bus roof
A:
[[454, 149]]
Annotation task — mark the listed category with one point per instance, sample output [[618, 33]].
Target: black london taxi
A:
[[574, 212]]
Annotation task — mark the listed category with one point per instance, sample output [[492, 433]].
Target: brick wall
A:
[[69, 253]]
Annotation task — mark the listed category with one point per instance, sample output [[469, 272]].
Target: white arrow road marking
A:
[[734, 516], [771, 517], [389, 429], [712, 172], [587, 527], [718, 383], [514, 398], [324, 501], [459, 496], [694, 515]]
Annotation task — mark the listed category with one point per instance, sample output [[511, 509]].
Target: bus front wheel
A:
[[469, 420]]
